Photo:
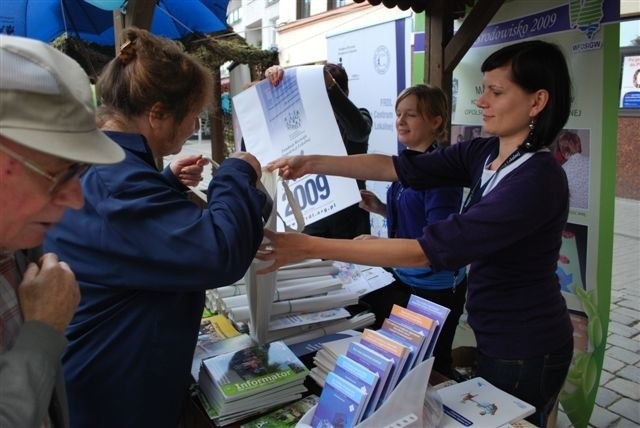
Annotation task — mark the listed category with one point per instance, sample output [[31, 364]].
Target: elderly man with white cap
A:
[[48, 137]]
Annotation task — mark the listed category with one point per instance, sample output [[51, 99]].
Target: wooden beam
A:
[[443, 49], [118, 26], [439, 27], [216, 120], [475, 22], [139, 14], [434, 55]]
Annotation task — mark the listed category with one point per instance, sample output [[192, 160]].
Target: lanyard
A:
[[477, 190]]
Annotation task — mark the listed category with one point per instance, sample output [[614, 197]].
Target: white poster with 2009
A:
[[292, 118]]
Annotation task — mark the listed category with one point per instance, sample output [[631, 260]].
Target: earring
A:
[[528, 142]]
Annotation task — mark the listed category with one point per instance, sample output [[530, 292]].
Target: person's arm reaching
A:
[[291, 247], [355, 122], [364, 167]]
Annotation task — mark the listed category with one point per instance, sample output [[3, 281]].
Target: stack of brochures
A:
[[250, 380], [308, 300], [374, 362]]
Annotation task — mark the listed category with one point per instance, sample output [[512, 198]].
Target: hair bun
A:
[[127, 52]]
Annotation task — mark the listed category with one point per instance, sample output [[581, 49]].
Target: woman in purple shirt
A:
[[509, 230]]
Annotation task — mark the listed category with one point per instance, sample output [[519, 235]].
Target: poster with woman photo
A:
[[571, 148], [465, 133]]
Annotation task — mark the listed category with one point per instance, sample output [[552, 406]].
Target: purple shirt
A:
[[511, 238]]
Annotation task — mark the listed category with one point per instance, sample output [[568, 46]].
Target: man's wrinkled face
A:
[[30, 205]]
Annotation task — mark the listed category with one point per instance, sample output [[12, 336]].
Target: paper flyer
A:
[[292, 118]]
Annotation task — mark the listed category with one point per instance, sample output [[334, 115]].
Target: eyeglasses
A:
[[57, 180]]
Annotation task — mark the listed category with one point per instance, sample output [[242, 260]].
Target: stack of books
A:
[[251, 380], [374, 363], [217, 336]]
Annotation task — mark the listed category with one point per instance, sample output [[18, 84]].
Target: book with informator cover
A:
[[420, 323], [235, 417], [378, 364], [216, 336], [390, 349], [477, 403], [284, 417], [251, 373], [432, 310], [358, 375], [204, 351], [340, 404]]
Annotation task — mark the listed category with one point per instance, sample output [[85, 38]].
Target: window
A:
[[335, 4], [234, 16], [303, 9], [630, 78], [630, 68]]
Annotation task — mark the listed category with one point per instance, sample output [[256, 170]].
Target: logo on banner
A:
[[586, 16], [381, 59]]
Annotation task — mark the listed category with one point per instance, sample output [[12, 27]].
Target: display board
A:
[[377, 60]]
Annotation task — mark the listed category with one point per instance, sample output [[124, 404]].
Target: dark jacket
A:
[[144, 255], [355, 126]]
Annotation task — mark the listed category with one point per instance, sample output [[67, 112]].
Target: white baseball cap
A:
[[46, 103]]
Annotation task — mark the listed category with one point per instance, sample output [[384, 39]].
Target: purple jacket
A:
[[511, 238]]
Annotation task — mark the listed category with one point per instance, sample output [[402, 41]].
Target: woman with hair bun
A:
[[143, 253]]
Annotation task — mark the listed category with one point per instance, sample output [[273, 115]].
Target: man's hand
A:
[[49, 292]]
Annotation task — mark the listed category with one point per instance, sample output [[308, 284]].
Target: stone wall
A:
[[628, 158]]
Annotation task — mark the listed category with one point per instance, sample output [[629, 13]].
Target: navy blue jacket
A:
[[408, 212], [144, 255]]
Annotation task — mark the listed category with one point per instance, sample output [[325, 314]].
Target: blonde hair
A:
[[432, 102]]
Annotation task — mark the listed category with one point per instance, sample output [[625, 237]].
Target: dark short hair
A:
[[339, 74], [538, 65]]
